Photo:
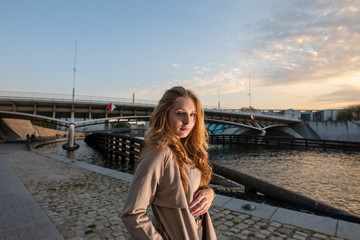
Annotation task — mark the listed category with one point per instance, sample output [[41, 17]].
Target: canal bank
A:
[[84, 201]]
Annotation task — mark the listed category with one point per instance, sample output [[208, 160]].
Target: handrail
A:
[[68, 98]]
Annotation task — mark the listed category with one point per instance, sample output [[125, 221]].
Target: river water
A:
[[329, 177]]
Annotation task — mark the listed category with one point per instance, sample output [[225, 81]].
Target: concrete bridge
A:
[[63, 110]]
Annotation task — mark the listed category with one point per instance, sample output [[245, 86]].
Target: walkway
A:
[[67, 199], [20, 215]]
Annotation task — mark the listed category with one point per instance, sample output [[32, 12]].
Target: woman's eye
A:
[[184, 113]]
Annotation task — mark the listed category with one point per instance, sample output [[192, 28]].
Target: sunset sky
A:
[[298, 54]]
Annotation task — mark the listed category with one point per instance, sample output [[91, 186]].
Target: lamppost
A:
[[219, 96], [71, 145], [73, 93], [249, 93]]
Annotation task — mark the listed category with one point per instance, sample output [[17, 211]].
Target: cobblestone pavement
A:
[[87, 205]]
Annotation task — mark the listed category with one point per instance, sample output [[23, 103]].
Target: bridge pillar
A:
[[71, 145]]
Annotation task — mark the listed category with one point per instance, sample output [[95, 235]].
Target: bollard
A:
[[71, 145], [71, 137]]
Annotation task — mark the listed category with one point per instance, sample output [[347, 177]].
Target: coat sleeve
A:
[[141, 193]]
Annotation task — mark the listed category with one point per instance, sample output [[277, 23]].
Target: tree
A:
[[121, 125], [344, 115], [355, 111], [352, 112], [248, 109]]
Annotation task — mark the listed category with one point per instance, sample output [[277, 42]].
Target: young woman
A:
[[173, 174]]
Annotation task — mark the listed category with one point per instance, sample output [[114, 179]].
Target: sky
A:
[[270, 54]]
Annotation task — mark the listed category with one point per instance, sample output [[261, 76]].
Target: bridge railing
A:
[[10, 95], [256, 113]]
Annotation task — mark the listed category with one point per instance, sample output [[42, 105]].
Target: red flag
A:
[[111, 106], [252, 116]]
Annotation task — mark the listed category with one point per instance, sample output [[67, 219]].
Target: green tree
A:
[[344, 115], [355, 111], [248, 109], [121, 125]]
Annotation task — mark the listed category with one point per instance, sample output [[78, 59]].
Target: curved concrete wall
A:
[[337, 130], [23, 127]]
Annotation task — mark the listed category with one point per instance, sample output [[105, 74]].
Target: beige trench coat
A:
[[157, 183]]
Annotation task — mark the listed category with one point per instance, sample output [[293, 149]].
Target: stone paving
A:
[[87, 205], [20, 215]]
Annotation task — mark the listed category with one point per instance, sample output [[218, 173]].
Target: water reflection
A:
[[90, 155], [330, 177]]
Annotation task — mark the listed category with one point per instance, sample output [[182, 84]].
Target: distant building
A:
[[330, 115], [325, 115], [291, 113], [307, 115], [318, 116]]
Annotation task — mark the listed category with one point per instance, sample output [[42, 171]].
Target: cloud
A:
[[303, 43], [307, 41], [200, 70], [343, 96], [230, 81]]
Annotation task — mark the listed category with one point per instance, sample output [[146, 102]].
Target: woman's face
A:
[[182, 117]]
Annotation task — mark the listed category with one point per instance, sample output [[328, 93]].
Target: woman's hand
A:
[[203, 198]]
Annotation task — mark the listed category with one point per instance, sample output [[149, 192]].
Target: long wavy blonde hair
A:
[[191, 150]]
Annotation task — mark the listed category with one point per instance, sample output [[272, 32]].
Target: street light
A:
[[73, 94]]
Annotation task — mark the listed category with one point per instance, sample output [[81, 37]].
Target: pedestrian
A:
[[173, 174]]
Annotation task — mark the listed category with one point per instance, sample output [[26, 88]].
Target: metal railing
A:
[[256, 113], [9, 95]]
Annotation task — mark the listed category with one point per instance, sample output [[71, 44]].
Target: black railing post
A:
[[132, 149], [123, 146]]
